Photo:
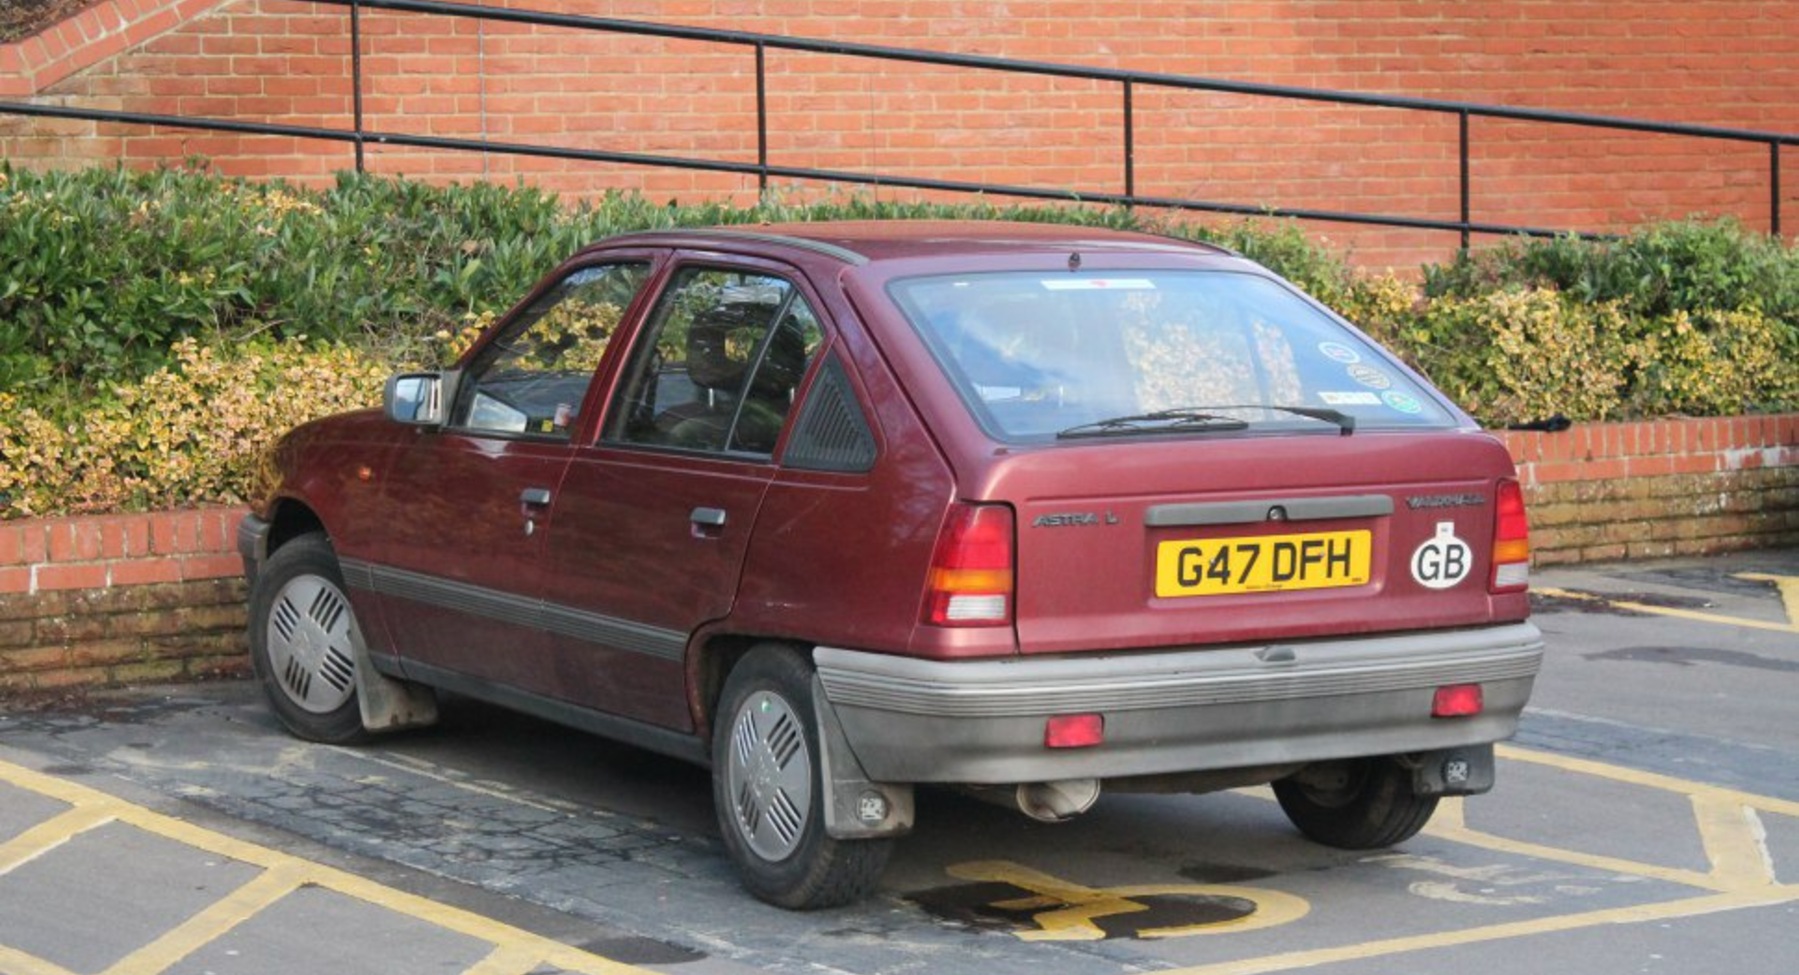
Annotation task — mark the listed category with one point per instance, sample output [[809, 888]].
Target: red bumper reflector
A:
[[1074, 731], [1457, 701]]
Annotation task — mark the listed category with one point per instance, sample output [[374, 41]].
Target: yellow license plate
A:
[[1265, 563]]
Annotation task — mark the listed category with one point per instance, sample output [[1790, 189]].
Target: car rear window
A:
[[1036, 355]]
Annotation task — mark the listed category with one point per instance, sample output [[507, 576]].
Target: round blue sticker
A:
[[1340, 353], [1402, 401]]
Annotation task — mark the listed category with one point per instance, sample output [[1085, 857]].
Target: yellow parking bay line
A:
[[516, 952], [1741, 874], [1789, 591], [1788, 587]]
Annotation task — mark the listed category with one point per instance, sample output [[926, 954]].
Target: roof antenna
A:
[[1074, 261]]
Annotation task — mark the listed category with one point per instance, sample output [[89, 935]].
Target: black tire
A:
[[767, 790], [1361, 804], [303, 642]]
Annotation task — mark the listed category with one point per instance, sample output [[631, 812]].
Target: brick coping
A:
[[32, 64]]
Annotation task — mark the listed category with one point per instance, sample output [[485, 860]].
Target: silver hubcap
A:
[[311, 641], [769, 776]]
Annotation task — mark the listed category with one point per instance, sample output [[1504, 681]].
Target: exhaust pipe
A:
[[1046, 802]]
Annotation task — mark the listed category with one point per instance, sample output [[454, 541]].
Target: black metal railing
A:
[[1129, 82]]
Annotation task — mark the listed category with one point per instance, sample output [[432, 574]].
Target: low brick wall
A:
[[137, 598], [1603, 492], [120, 599]]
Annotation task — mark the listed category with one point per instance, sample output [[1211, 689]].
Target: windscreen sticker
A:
[[1349, 397], [1098, 284], [1443, 560], [1339, 352], [1402, 401], [1370, 377]]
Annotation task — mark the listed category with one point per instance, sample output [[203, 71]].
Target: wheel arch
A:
[[290, 518], [709, 665]]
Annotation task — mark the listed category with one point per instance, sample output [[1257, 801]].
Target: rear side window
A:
[[1035, 355], [717, 369]]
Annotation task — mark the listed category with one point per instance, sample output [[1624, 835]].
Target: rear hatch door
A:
[[1186, 542]]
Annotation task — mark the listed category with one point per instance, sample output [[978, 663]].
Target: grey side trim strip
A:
[[536, 614], [1251, 512], [1147, 680], [648, 640], [683, 745]]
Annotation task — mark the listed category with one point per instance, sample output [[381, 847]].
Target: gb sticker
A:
[[1443, 560]]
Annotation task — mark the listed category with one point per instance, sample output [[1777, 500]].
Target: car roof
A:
[[864, 241]]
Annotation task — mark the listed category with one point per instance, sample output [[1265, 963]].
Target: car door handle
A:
[[535, 497], [708, 517]]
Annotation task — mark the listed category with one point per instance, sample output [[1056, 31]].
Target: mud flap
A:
[[388, 704], [855, 808], [1463, 771]]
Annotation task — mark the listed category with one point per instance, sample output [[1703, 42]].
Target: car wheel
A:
[[769, 796], [1362, 804], [304, 642]]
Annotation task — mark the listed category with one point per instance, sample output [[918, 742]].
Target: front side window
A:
[[717, 368], [1071, 355], [530, 380]]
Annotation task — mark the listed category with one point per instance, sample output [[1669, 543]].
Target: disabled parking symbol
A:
[[1034, 906]]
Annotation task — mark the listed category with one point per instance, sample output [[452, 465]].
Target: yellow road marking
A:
[[1069, 909], [1665, 911], [1737, 849], [1653, 780], [1684, 614], [282, 873], [1789, 591], [505, 960], [48, 835], [1740, 876], [1456, 831], [213, 922], [15, 962]]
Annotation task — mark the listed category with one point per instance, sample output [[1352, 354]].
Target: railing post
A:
[[356, 76], [1467, 211], [761, 118], [1130, 151], [1774, 187]]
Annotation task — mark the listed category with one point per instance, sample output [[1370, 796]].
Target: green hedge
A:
[[115, 282], [114, 266]]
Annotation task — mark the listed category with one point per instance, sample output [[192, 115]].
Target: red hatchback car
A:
[[840, 509]]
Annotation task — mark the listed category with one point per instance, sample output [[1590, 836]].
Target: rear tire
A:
[[1360, 804], [304, 642], [767, 790]]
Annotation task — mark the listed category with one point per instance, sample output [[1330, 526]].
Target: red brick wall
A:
[[1720, 62], [129, 598], [120, 599], [1609, 491]]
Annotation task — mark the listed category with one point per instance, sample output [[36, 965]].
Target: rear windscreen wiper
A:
[[1344, 421], [1199, 418]]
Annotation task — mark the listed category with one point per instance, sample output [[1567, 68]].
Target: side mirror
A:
[[420, 399]]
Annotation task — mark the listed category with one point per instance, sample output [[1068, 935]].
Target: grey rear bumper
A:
[[982, 721]]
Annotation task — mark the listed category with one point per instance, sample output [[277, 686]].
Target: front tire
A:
[[769, 795], [304, 642], [1360, 804]]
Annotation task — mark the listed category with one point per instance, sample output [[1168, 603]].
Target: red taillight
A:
[[1074, 731], [970, 582], [1457, 701], [1511, 540]]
